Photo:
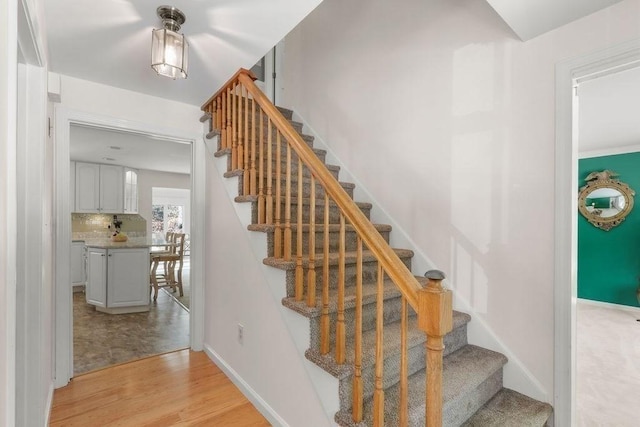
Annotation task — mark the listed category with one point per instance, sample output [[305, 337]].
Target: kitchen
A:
[[115, 180]]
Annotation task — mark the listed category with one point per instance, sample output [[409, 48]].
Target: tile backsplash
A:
[[90, 225]]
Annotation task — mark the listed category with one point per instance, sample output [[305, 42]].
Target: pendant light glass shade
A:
[[169, 49]]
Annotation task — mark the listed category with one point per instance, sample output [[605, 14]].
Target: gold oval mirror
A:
[[604, 201]]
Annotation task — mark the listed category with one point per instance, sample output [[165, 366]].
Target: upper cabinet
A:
[[130, 191], [99, 188]]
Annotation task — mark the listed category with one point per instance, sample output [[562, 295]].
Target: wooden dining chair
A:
[[172, 275]]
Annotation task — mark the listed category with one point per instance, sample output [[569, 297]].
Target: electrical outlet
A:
[[240, 333]]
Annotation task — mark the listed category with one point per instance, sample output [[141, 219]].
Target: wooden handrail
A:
[[229, 107], [393, 266]]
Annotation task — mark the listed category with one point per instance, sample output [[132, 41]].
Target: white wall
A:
[[147, 179], [268, 365], [110, 101], [460, 114], [8, 64]]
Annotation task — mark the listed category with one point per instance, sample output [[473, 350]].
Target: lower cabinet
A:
[[118, 279], [78, 273]]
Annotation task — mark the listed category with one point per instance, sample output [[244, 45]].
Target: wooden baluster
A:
[[311, 271], [240, 128], [277, 232], [404, 375], [234, 129], [269, 177], [357, 398], [299, 270], [287, 207], [245, 176], [219, 117], [252, 172], [340, 328], [435, 318], [214, 116], [226, 133], [324, 320], [378, 395], [261, 195]]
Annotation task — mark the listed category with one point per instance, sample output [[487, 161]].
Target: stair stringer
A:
[[516, 374], [325, 385]]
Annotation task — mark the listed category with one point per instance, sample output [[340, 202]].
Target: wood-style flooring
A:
[[183, 388]]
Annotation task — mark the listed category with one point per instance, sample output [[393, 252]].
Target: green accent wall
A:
[[609, 261]]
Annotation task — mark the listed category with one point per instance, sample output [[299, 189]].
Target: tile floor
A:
[[608, 367], [101, 339]]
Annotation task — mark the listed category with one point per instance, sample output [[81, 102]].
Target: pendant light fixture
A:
[[169, 48]]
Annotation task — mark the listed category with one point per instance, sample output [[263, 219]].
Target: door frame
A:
[[64, 118], [272, 86], [568, 72]]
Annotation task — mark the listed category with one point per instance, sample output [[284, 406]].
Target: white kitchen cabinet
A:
[[96, 289], [127, 277], [78, 271], [72, 187], [99, 188], [118, 279], [130, 191]]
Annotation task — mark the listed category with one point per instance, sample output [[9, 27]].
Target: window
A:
[[167, 218]]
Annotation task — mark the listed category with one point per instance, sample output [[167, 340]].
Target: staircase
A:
[[383, 342]]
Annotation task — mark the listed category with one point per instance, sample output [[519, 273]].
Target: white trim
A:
[[609, 151], [8, 97], [603, 304], [261, 405], [566, 194], [64, 117], [49, 404], [28, 42]]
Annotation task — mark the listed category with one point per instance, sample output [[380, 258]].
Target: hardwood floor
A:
[[181, 388]]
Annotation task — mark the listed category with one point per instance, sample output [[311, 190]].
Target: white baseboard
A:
[[48, 405], [610, 305], [263, 407]]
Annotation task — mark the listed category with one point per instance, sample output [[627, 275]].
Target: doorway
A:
[[268, 71], [568, 73], [65, 119], [101, 339]]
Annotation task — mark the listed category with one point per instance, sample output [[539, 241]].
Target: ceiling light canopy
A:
[[169, 48]]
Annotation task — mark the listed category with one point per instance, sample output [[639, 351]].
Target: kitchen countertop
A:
[[133, 242]]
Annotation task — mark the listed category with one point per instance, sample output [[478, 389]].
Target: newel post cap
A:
[[434, 275]]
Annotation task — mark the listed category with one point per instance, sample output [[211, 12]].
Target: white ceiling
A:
[[109, 41], [96, 145], [530, 18], [609, 113]]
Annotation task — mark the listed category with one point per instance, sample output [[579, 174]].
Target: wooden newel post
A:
[[435, 318]]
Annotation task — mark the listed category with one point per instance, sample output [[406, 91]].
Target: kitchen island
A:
[[118, 274]]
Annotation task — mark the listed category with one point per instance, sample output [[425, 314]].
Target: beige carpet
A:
[[608, 366]]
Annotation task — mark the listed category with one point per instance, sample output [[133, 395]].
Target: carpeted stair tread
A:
[[509, 408], [368, 297], [391, 345], [464, 371], [350, 258], [239, 172], [294, 201]]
